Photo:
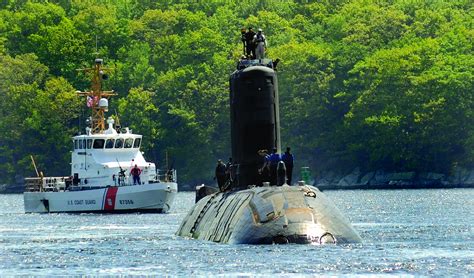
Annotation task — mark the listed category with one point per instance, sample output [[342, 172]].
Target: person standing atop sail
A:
[[249, 43], [243, 33], [260, 43]]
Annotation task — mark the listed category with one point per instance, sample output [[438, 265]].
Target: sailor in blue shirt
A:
[[274, 159]]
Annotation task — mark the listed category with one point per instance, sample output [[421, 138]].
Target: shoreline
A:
[[391, 186], [20, 189]]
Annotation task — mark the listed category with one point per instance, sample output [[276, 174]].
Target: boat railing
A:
[[245, 63], [166, 175], [54, 184], [45, 184]]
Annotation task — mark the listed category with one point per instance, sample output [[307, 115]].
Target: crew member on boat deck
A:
[[169, 175], [221, 174], [288, 159], [260, 44], [136, 174]]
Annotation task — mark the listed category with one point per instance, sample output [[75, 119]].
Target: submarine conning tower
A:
[[255, 118]]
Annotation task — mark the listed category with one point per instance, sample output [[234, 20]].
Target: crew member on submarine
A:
[[220, 174], [260, 43], [274, 159], [288, 159], [249, 44], [263, 170]]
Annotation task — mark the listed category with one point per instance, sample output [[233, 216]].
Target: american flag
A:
[[90, 101]]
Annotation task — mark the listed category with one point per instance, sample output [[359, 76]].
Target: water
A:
[[405, 232]]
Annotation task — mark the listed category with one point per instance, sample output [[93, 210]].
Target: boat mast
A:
[[97, 99]]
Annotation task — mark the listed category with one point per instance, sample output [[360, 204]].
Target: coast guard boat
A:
[[101, 164]]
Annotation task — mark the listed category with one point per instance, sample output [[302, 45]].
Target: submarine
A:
[[251, 210]]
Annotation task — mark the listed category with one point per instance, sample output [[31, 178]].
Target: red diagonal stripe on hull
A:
[[110, 196]]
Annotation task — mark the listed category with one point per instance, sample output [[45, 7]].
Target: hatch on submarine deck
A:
[[250, 211]]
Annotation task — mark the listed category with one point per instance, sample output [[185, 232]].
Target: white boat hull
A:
[[155, 197]]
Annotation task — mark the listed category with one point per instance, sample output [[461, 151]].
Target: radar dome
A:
[[104, 103]]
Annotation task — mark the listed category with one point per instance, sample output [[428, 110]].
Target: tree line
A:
[[371, 84]]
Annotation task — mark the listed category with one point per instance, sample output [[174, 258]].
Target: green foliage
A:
[[37, 114], [413, 99], [375, 84], [138, 112]]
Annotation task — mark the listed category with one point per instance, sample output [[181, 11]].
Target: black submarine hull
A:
[[268, 215]]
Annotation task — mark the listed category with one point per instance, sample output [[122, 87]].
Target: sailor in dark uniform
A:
[[264, 168], [242, 38], [221, 174], [288, 159], [228, 169], [249, 43]]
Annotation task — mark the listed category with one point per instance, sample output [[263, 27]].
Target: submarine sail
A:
[[254, 116]]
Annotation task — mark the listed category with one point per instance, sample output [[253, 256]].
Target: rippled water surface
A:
[[405, 232]]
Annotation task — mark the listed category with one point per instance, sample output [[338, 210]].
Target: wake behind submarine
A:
[[247, 212]]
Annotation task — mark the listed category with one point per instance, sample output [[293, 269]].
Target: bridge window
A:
[[109, 144], [89, 143], [80, 144], [76, 144], [128, 143], [137, 142], [119, 143], [99, 143]]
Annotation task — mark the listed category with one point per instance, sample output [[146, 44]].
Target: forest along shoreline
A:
[[356, 179], [393, 95], [381, 179]]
